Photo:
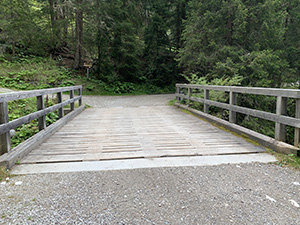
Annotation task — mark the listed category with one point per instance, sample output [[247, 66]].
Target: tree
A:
[[78, 62]]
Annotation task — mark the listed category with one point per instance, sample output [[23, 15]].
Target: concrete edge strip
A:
[[261, 139], [145, 163], [9, 159]]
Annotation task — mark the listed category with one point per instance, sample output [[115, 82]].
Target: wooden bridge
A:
[[97, 134]]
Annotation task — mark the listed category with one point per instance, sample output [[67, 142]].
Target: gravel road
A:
[[226, 194], [127, 101], [5, 90]]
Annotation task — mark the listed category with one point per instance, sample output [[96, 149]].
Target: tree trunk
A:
[[52, 17], [78, 36]]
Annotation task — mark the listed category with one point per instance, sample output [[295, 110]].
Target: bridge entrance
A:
[[136, 132]]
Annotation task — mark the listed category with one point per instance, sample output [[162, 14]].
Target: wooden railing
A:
[[185, 91], [40, 114]]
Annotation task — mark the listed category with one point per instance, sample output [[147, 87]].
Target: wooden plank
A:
[[60, 100], [294, 122], [205, 101], [281, 109], [27, 146], [291, 93], [297, 130], [41, 106], [105, 138], [28, 94], [5, 136], [28, 118], [232, 101], [72, 106]]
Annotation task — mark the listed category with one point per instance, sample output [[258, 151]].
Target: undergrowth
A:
[[20, 108], [31, 72], [3, 173]]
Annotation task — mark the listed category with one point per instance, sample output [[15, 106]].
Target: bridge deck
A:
[[136, 132]]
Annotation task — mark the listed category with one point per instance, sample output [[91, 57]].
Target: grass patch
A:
[[172, 102], [291, 161], [3, 174]]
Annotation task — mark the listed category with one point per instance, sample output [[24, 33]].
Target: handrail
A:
[[289, 93], [280, 118], [6, 125]]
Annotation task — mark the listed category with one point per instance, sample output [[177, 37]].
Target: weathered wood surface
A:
[[27, 94], [280, 118], [295, 122], [261, 139], [136, 132], [292, 93], [26, 119], [9, 159], [6, 126]]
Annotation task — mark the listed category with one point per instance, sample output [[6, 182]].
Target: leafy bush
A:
[[20, 108]]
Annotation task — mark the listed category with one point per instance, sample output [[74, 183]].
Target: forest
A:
[[160, 42]]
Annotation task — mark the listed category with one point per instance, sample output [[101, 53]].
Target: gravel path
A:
[[226, 194], [5, 90], [127, 101]]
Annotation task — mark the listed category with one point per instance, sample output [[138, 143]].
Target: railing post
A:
[[40, 106], [72, 105], [59, 100], [297, 130], [177, 93], [232, 101], [206, 97], [80, 94], [189, 96], [4, 138], [281, 109]]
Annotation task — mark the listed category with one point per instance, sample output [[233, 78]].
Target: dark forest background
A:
[[161, 42]]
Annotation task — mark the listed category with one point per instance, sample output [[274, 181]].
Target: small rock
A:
[[7, 179], [18, 183], [294, 203], [271, 199], [3, 183], [296, 183], [238, 166]]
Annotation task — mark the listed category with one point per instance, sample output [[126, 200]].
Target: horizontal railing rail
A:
[[280, 117], [6, 126]]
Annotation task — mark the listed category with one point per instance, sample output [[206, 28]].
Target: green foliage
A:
[[3, 175], [29, 72], [120, 88], [19, 108], [249, 43], [291, 160]]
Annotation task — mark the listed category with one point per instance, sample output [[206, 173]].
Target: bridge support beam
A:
[[206, 97], [79, 94], [232, 101], [189, 96], [281, 109], [40, 106], [59, 100], [72, 106], [4, 138], [297, 130]]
